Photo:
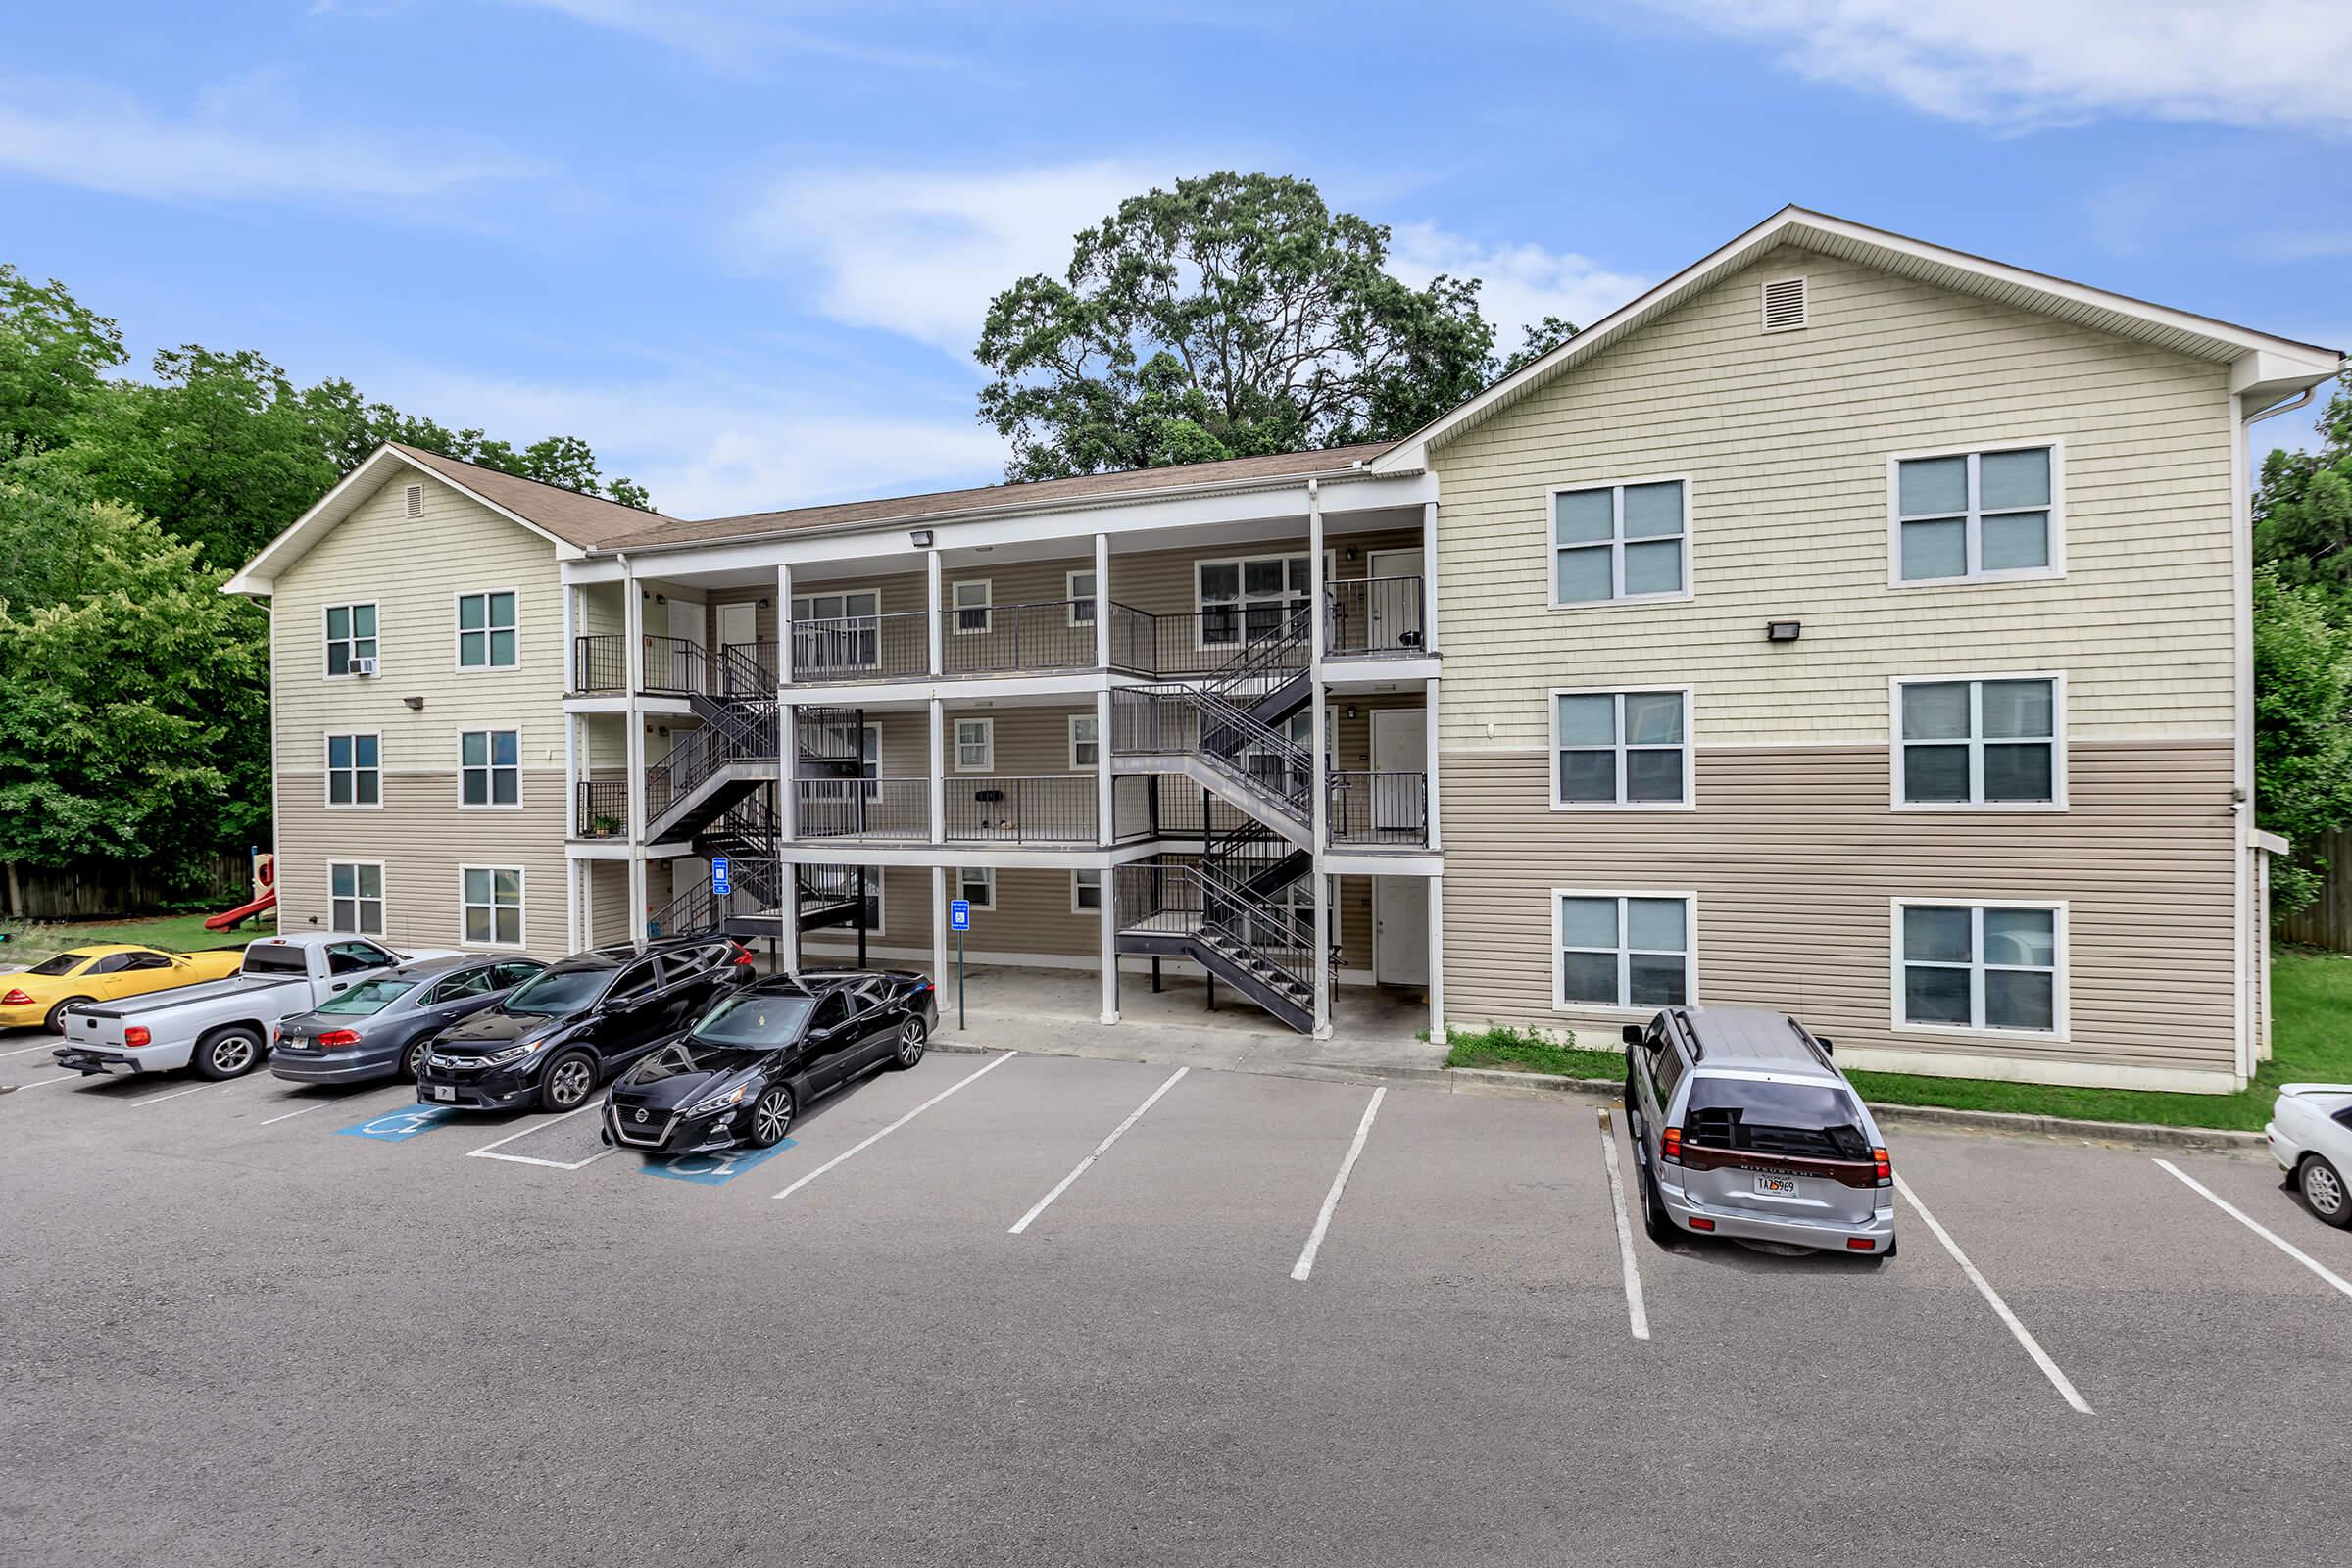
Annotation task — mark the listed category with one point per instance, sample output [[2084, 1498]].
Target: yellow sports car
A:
[[100, 973]]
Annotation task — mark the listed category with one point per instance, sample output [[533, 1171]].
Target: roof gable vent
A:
[[413, 500], [1783, 305]]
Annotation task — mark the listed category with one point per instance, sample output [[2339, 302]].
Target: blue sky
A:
[[744, 248]]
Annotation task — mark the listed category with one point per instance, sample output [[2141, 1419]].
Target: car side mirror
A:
[[1632, 1034], [1826, 1046]]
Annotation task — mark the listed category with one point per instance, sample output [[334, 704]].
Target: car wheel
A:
[[55, 1023], [227, 1052], [771, 1116], [2323, 1187], [412, 1061], [911, 1045], [1629, 1092], [570, 1079], [1654, 1212]]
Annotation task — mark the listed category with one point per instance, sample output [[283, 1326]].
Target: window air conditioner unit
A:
[[362, 666]]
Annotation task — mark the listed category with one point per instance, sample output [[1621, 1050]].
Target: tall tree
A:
[[1234, 315], [2302, 727], [53, 351], [2303, 510]]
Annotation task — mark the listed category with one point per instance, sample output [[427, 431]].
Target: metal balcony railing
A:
[[674, 666], [895, 809], [1033, 638], [746, 669], [1044, 808], [1374, 616], [1379, 808], [600, 808], [600, 662], [850, 648]]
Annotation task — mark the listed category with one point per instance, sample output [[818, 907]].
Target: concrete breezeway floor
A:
[[254, 1322]]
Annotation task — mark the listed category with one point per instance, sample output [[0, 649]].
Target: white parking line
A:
[[2025, 1337], [174, 1094], [291, 1114], [1339, 1184], [61, 1078], [484, 1152], [2265, 1232], [1063, 1185], [896, 1125], [1636, 1309], [46, 1044]]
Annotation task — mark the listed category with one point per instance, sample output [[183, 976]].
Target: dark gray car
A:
[[379, 1028]]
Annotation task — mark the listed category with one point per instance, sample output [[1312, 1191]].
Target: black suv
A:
[[556, 1037]]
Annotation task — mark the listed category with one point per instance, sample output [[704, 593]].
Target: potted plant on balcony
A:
[[603, 827]]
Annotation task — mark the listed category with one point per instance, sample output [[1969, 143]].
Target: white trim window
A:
[[1965, 742], [350, 635], [1078, 589], [975, 745], [845, 634], [355, 773], [1086, 891], [1249, 597], [1623, 951], [1612, 542], [355, 896], [1621, 751], [1086, 743], [490, 905], [970, 601], [489, 767], [1975, 516], [486, 630], [976, 885], [1989, 968]]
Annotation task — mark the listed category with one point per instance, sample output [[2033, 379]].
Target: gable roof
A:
[[2279, 365]]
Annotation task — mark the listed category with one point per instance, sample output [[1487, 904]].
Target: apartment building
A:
[[1848, 625]]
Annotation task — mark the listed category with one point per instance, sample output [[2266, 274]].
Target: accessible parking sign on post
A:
[[718, 876], [960, 921]]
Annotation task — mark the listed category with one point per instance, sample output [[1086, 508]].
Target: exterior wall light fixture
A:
[[1783, 631]]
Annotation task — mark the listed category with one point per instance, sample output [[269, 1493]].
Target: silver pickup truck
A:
[[222, 1027]]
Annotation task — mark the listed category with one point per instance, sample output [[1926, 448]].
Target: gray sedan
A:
[[379, 1028]]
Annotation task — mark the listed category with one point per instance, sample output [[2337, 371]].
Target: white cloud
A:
[[1522, 283], [727, 35], [2022, 63], [104, 140]]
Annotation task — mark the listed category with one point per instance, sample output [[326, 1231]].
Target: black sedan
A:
[[555, 1037], [748, 1066]]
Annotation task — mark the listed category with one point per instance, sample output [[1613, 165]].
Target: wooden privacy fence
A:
[[90, 892], [2327, 921]]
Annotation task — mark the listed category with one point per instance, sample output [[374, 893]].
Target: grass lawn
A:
[[2311, 1036], [176, 933]]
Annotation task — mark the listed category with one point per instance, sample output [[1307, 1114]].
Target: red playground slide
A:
[[243, 912]]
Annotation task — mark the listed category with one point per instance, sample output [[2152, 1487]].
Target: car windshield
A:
[[754, 1020], [274, 959], [1771, 1116], [368, 996], [63, 964], [558, 991]]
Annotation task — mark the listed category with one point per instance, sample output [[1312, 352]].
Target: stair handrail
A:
[[1263, 654], [1246, 734]]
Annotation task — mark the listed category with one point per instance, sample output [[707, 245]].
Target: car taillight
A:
[[1699, 1222], [1859, 1243], [276, 1034], [743, 959], [338, 1037], [1885, 1167], [1671, 1142], [135, 1036], [16, 998]]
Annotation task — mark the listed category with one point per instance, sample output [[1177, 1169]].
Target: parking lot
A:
[[1029, 1310]]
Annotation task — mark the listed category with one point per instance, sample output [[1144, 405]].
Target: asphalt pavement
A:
[[257, 1323]]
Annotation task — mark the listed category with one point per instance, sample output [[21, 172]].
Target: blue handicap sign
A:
[[718, 874], [715, 1167], [399, 1126], [959, 914]]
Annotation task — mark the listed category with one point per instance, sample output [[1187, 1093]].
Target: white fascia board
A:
[[2264, 376]]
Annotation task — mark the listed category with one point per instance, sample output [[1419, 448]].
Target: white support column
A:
[[931, 605], [1429, 575], [788, 920], [784, 623], [572, 626], [1110, 948], [571, 906], [788, 768], [1105, 827], [573, 824], [1429, 727], [933, 787], [633, 640], [1437, 960], [1320, 785], [1103, 612], [939, 937]]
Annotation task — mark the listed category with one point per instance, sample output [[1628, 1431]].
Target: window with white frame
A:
[[1622, 950], [1980, 967], [1247, 599], [486, 632], [350, 635], [353, 770], [1980, 742], [356, 896], [1620, 749], [1078, 587], [490, 901], [1620, 540], [490, 767], [976, 885], [970, 601], [836, 632], [1085, 892], [1976, 515], [1086, 742], [975, 745]]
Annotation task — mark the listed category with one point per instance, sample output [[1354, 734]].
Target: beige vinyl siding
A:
[[606, 903], [1794, 859], [1785, 439]]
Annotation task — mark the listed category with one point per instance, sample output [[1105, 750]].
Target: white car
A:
[[2311, 1139]]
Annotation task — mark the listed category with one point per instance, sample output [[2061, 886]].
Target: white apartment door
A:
[[1400, 770], [1395, 608], [739, 630], [1400, 930], [686, 627]]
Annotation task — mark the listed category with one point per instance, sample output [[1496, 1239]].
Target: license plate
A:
[[443, 1092], [292, 1043], [1776, 1185]]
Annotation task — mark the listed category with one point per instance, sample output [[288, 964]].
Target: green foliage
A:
[[1234, 315], [1538, 340], [53, 351], [1524, 1050], [2302, 727], [2303, 510]]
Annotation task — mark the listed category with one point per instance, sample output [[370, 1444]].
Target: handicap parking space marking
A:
[[493, 1149], [399, 1126], [1992, 1298], [2332, 1278], [713, 1167]]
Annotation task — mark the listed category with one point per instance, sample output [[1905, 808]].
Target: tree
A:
[[2303, 510], [1234, 315], [53, 349], [1538, 340], [2302, 727]]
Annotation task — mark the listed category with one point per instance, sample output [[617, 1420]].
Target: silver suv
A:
[[1741, 1127]]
